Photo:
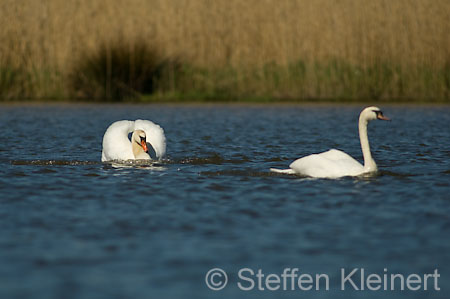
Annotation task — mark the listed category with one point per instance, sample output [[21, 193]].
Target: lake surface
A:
[[72, 227]]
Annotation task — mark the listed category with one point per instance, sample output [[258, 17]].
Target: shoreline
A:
[[38, 103]]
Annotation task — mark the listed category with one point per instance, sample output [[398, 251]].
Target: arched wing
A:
[[116, 145]]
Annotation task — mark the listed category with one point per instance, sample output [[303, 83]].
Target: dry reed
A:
[[276, 48]]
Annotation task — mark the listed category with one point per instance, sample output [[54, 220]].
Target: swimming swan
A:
[[335, 163], [147, 141]]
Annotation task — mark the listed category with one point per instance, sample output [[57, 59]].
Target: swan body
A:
[[147, 141], [335, 163]]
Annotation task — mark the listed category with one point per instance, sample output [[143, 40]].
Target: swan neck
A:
[[137, 149], [369, 163], [134, 146]]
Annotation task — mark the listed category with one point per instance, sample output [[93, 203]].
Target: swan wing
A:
[[155, 136], [116, 145], [329, 164], [337, 155]]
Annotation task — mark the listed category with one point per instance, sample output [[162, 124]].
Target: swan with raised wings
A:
[[147, 141], [335, 163]]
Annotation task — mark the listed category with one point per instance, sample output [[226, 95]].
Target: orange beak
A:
[[144, 146], [382, 117]]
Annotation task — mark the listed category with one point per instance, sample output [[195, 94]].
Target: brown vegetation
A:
[[297, 49]]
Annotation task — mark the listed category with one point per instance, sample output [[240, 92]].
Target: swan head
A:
[[140, 139], [372, 113]]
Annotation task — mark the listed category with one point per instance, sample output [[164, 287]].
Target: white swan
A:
[[335, 163], [147, 141]]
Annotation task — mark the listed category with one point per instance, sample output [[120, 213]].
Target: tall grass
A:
[[277, 49]]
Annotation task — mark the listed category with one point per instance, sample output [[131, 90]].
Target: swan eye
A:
[[142, 138]]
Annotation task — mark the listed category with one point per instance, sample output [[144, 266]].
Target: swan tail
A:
[[286, 171]]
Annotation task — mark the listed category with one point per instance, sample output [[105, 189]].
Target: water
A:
[[72, 227]]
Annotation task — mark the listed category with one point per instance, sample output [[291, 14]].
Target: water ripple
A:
[[74, 226]]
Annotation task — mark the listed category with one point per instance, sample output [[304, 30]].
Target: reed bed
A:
[[379, 50]]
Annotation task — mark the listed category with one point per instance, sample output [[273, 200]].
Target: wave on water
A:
[[244, 173], [214, 158], [53, 162], [156, 165], [115, 164]]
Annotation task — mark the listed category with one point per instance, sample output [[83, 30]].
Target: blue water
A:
[[72, 227]]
